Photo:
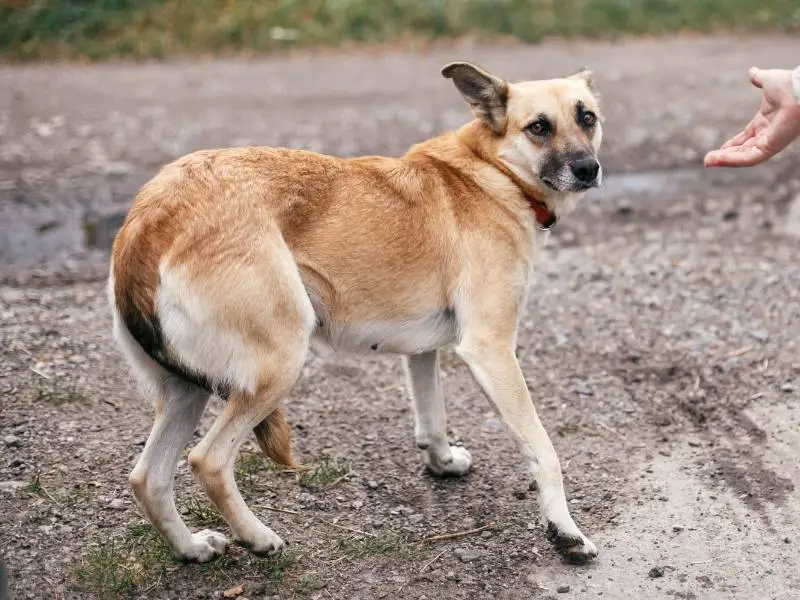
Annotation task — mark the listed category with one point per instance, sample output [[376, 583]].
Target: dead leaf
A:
[[234, 591]]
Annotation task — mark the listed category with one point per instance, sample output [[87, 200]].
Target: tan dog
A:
[[231, 261]]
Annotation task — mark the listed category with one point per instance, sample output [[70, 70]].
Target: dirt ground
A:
[[660, 344]]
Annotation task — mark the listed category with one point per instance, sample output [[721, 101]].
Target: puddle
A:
[[56, 234]]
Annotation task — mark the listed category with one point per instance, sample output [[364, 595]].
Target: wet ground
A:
[[660, 344]]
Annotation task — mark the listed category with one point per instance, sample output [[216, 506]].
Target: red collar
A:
[[545, 218]]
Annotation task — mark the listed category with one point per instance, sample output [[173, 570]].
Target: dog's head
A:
[[545, 132]]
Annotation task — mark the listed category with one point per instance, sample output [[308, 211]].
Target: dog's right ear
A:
[[485, 93]]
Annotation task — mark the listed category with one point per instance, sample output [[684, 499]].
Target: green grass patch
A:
[[384, 543], [50, 391], [103, 29], [126, 563], [203, 514], [323, 473], [136, 561]]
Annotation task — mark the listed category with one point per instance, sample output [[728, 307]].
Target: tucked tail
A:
[[274, 438]]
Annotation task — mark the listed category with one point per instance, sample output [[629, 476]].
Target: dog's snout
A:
[[586, 169]]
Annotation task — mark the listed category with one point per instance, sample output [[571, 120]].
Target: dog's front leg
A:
[[431, 417], [495, 367]]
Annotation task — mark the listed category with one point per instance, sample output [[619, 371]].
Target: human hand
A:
[[775, 126]]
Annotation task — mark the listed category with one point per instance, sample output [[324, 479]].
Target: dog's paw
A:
[[457, 464], [206, 545], [265, 542], [575, 547]]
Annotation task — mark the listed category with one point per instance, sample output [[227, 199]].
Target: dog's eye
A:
[[539, 128], [589, 118]]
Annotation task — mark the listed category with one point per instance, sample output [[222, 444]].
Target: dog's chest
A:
[[411, 335]]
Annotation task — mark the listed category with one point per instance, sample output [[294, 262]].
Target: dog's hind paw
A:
[[575, 547], [264, 542], [206, 545]]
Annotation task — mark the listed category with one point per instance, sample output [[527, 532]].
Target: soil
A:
[[660, 344]]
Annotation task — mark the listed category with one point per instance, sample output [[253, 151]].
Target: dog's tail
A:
[[274, 438]]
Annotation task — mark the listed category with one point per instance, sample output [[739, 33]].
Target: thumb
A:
[[755, 77]]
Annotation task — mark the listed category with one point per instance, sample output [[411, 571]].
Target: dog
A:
[[231, 262]]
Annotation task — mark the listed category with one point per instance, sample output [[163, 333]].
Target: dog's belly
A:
[[411, 335]]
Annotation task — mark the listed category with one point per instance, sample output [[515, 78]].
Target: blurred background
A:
[[661, 342], [105, 29]]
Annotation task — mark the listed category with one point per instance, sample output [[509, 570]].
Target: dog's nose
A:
[[585, 169]]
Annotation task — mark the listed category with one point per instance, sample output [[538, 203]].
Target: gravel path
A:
[[660, 345]]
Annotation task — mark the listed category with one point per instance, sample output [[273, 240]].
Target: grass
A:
[[381, 544], [35, 484], [202, 513], [103, 29], [137, 560], [122, 564], [52, 392], [324, 473]]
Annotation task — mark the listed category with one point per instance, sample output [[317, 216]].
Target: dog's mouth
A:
[[572, 186]]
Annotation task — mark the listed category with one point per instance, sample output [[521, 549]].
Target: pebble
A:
[[117, 504], [759, 336], [11, 441], [582, 390], [465, 555], [787, 387], [656, 572], [562, 589], [372, 484]]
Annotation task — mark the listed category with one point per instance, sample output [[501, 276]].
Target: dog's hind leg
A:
[[179, 406], [431, 417], [264, 330], [213, 459]]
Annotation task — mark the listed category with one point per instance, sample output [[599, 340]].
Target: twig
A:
[[756, 396], [458, 534], [110, 402], [46, 493], [39, 373], [280, 510], [611, 429], [340, 479], [739, 352], [358, 531], [433, 560]]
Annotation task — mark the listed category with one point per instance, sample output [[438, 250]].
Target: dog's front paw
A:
[[457, 463], [206, 545], [575, 547]]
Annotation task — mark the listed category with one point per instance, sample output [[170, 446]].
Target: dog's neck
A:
[[474, 135]]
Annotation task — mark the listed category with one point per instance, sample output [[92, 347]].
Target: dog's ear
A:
[[485, 93], [587, 77]]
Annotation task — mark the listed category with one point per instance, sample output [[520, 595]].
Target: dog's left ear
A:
[[587, 77], [485, 93]]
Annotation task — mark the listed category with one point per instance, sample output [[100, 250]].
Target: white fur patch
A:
[[413, 335], [147, 372], [197, 340], [522, 159]]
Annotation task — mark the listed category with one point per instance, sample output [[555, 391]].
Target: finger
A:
[[744, 157], [755, 77], [736, 140]]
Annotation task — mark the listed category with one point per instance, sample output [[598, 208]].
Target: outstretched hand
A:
[[775, 126]]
